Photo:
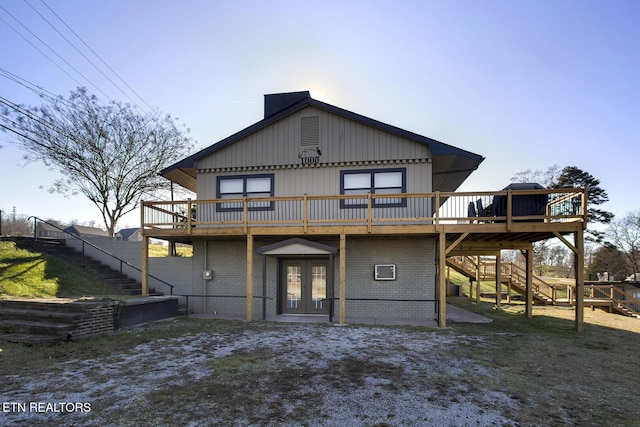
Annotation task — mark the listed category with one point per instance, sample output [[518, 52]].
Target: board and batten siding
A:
[[344, 143], [321, 181], [341, 140], [318, 180]]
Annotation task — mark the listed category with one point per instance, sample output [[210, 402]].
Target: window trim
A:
[[375, 202], [220, 178]]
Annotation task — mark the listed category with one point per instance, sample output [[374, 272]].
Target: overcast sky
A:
[[526, 84]]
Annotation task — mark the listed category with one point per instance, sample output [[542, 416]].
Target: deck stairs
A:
[[512, 275], [605, 296], [620, 301]]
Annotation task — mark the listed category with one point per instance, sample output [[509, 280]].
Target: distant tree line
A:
[[14, 224]]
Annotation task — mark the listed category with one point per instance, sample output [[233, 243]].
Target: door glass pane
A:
[[294, 288], [318, 285]]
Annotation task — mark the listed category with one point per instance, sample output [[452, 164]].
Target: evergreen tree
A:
[[573, 177]]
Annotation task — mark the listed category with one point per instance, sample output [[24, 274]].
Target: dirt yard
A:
[[511, 372]]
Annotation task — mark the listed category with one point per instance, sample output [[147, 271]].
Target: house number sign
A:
[[310, 156]]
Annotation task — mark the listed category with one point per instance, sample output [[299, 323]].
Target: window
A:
[[374, 181], [237, 187]]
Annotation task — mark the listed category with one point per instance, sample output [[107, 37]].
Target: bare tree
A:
[[14, 224], [109, 153], [544, 178], [560, 259], [624, 235]]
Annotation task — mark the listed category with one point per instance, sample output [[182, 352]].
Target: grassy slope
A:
[[30, 274]]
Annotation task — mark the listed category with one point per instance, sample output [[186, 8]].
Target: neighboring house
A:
[[46, 231], [83, 231], [319, 210], [129, 234]]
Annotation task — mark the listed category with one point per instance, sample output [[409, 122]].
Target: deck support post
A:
[[343, 271], [529, 285], [249, 277], [578, 256], [442, 283], [264, 287], [579, 267], [478, 277], [498, 280], [145, 266]]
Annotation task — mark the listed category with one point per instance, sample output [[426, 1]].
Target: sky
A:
[[526, 84]]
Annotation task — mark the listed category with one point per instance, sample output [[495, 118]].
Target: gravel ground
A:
[[284, 374]]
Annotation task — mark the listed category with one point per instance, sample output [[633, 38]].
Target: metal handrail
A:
[[186, 297], [331, 300], [35, 238]]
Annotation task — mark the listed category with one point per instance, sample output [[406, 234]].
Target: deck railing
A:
[[508, 207]]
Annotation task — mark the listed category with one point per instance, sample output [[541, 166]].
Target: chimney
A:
[[277, 102]]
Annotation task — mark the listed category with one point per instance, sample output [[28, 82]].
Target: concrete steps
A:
[[94, 267], [40, 322]]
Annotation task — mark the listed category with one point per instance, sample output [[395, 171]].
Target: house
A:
[[319, 210], [84, 231], [129, 235], [47, 231]]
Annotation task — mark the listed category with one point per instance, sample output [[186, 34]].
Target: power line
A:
[[81, 53], [38, 90], [96, 55], [51, 49], [41, 52], [20, 110]]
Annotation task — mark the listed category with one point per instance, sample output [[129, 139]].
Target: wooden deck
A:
[[486, 220], [464, 223]]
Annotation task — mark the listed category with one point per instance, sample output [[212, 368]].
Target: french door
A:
[[304, 286]]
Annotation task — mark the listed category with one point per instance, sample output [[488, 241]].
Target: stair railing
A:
[[487, 271], [621, 300], [540, 287], [625, 301], [122, 262]]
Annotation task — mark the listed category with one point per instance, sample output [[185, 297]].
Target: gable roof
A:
[[44, 226], [86, 231], [126, 233], [451, 165], [297, 246]]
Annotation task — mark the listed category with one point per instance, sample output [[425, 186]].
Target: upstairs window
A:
[[237, 187], [374, 181]]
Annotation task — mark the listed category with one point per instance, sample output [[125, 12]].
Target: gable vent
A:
[[310, 130]]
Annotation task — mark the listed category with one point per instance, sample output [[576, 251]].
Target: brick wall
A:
[[101, 318], [228, 262], [415, 278]]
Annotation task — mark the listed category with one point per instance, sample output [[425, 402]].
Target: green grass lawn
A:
[[30, 274]]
